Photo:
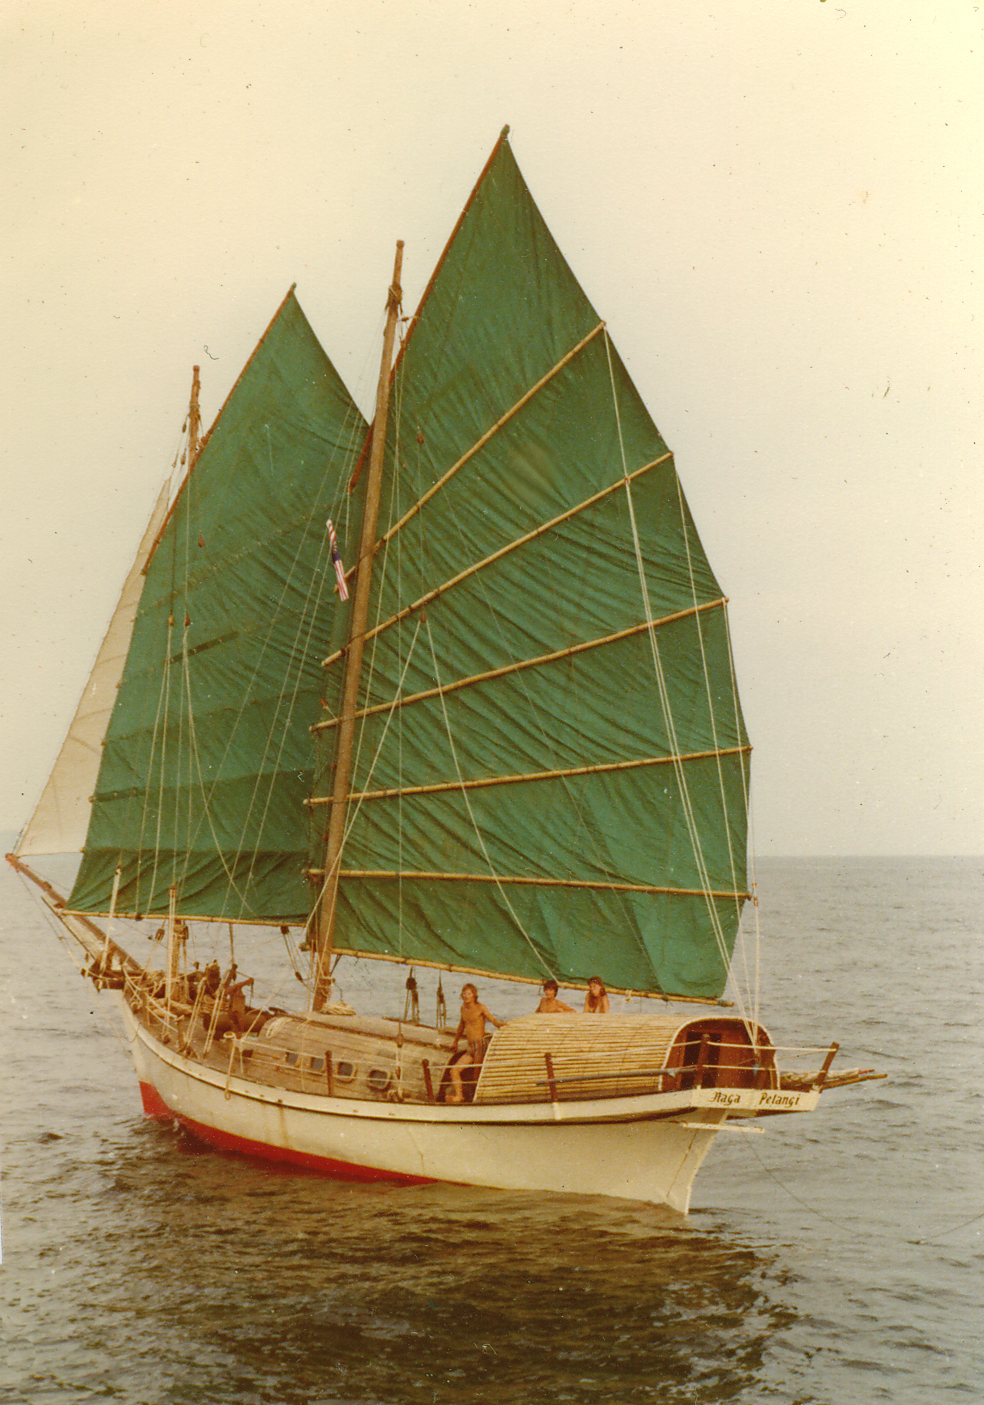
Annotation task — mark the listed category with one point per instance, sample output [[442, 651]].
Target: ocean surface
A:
[[834, 1260]]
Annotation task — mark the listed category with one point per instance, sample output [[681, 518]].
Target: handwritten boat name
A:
[[766, 1099]]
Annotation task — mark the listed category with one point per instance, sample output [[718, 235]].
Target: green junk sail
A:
[[207, 759], [551, 767]]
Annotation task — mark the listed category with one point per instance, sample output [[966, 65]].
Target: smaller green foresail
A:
[[207, 760]]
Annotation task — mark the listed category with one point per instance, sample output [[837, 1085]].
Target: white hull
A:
[[642, 1147]]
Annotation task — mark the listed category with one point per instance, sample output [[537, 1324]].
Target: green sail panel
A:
[[207, 760], [592, 867]]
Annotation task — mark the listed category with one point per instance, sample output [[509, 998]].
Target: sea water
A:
[[836, 1258]]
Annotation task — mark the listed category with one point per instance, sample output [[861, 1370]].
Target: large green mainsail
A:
[[551, 775], [208, 758]]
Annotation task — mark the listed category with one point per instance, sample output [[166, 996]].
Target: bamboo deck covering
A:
[[579, 1045]]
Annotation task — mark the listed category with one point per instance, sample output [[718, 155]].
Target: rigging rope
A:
[[352, 816], [664, 698], [293, 672], [471, 815], [752, 989]]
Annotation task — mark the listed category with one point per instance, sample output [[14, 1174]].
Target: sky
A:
[[776, 205]]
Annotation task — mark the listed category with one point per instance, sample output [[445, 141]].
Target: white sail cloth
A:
[[59, 824]]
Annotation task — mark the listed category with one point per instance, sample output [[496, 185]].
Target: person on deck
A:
[[550, 1005], [596, 1000], [236, 1000], [472, 1026], [234, 1016]]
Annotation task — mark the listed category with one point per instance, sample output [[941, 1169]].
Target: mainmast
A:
[[194, 418], [324, 933]]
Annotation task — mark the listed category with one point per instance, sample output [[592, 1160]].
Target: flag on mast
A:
[[337, 562]]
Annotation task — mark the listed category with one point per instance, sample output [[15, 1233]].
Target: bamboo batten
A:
[[489, 434], [498, 878], [432, 595], [539, 661], [485, 781], [486, 973]]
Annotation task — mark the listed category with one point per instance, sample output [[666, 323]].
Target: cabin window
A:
[[379, 1079], [291, 1059], [345, 1071], [316, 1063]]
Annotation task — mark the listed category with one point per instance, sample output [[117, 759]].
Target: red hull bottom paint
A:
[[155, 1106]]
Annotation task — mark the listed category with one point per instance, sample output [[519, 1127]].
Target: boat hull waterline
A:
[[646, 1148]]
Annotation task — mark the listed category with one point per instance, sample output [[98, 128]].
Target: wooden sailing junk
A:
[[516, 751]]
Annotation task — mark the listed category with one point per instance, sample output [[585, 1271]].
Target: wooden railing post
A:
[[705, 1045], [551, 1078], [822, 1075]]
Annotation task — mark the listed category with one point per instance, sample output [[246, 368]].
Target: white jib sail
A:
[[59, 824]]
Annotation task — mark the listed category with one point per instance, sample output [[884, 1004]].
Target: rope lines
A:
[[665, 703], [471, 815]]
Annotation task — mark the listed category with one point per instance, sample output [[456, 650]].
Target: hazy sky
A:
[[775, 205]]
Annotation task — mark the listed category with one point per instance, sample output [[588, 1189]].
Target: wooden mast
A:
[[194, 418], [323, 936]]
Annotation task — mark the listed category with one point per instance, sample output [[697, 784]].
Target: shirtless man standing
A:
[[472, 1026]]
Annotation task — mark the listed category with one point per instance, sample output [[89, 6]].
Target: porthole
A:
[[316, 1063], [379, 1079], [291, 1059], [344, 1070]]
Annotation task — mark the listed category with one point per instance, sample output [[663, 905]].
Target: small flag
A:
[[337, 562]]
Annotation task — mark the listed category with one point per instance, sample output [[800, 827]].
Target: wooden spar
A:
[[551, 1080], [446, 966], [201, 444], [504, 551], [172, 945], [194, 418], [485, 781], [56, 905], [323, 933], [536, 662], [825, 1067], [480, 443], [593, 884]]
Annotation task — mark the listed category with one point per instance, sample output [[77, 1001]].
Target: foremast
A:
[[323, 934]]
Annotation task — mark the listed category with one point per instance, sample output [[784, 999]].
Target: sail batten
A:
[[521, 880], [448, 966], [539, 662], [481, 442], [569, 771]]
